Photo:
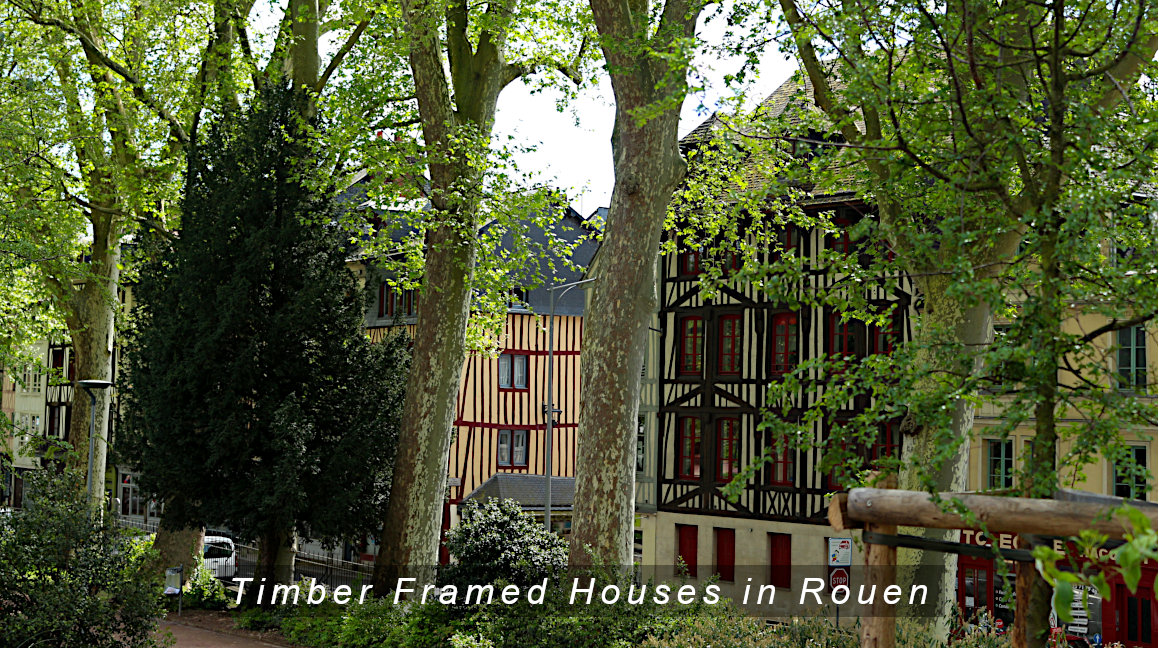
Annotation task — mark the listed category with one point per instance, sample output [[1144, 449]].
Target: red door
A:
[[975, 587], [1134, 622], [686, 546]]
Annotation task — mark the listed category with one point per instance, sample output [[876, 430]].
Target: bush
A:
[[729, 628], [495, 540], [69, 577], [203, 591], [556, 622], [378, 623]]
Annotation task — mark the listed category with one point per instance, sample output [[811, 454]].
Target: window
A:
[[31, 379], [887, 443], [788, 239], [883, 338], [725, 540], [843, 337], [1131, 481], [691, 339], [518, 298], [503, 456], [56, 422], [519, 447], [780, 559], [727, 449], [512, 371], [131, 503], [728, 345], [840, 241], [1000, 464], [781, 468], [512, 449], [688, 465], [640, 443], [1132, 357], [686, 546], [784, 342], [393, 302], [689, 263]]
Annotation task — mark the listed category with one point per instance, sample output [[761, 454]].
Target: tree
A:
[[255, 399], [71, 579], [103, 98], [1005, 148], [647, 50], [484, 49]]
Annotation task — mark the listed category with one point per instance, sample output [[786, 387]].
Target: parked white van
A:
[[220, 556]]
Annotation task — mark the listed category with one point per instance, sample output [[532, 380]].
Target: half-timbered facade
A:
[[709, 365], [712, 363], [500, 421]]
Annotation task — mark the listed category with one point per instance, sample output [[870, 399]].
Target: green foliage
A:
[[255, 399], [69, 578], [203, 591], [495, 540], [1064, 573]]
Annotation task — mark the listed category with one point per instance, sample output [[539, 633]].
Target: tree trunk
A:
[[91, 318], [972, 328], [648, 169], [412, 526], [276, 553], [410, 541], [177, 547]]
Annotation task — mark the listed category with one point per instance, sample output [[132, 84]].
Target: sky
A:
[[573, 149], [577, 158]]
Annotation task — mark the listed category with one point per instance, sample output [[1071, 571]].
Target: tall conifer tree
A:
[[256, 400]]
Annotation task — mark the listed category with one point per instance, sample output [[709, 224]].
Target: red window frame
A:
[[691, 345], [780, 560], [728, 356], [843, 337], [840, 242], [688, 448], [725, 540], [883, 339], [781, 468], [385, 300], [837, 473], [727, 449], [788, 238], [784, 343], [688, 263], [887, 442]]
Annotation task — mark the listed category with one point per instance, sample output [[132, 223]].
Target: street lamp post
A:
[[549, 409], [89, 386]]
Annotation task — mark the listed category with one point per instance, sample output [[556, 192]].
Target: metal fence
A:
[[327, 570]]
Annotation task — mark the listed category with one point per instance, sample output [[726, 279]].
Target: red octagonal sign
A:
[[838, 577]]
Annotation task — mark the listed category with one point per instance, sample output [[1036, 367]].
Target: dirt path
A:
[[202, 629], [190, 637]]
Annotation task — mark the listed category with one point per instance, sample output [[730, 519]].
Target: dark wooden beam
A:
[[998, 514]]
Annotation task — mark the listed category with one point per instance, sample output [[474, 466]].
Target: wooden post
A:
[[880, 627]]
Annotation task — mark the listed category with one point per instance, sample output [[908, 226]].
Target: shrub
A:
[[68, 576], [377, 623], [203, 591], [495, 540], [729, 628]]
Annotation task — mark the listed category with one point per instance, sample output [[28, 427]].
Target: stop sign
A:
[[838, 577]]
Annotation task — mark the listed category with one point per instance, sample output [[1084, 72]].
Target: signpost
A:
[[839, 556]]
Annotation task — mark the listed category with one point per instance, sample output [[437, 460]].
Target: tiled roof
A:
[[528, 490]]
